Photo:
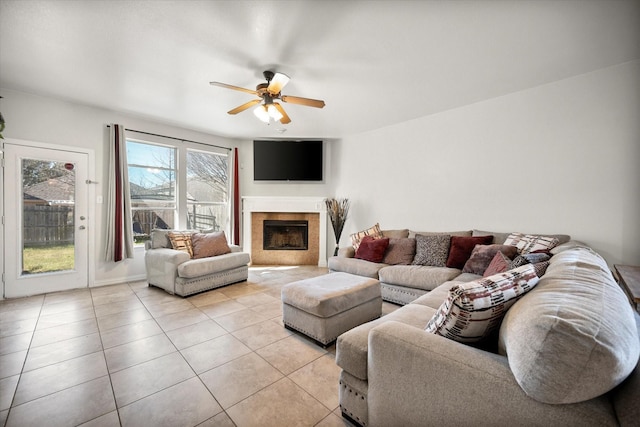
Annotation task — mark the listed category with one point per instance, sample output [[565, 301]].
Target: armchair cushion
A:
[[201, 267]]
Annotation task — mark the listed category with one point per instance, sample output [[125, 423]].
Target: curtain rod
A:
[[177, 139]]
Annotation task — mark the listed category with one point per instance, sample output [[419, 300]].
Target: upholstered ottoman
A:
[[326, 306]]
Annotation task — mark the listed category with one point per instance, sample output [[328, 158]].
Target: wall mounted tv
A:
[[287, 160]]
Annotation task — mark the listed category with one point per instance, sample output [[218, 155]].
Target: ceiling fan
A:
[[268, 93]]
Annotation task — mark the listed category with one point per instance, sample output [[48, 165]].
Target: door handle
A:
[[82, 218], [82, 227]]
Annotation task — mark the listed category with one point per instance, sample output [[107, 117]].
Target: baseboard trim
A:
[[118, 280]]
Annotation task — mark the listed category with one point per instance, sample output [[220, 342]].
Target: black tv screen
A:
[[287, 160]]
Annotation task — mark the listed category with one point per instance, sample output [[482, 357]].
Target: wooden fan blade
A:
[[244, 106], [317, 103], [285, 118], [241, 89], [278, 81]]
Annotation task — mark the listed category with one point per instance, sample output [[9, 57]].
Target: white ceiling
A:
[[375, 63]]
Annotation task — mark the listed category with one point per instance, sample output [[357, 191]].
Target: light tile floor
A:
[[133, 355]]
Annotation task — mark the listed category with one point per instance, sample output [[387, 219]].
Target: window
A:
[[177, 187], [152, 183], [207, 191]]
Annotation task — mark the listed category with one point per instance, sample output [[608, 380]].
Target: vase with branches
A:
[[338, 210]]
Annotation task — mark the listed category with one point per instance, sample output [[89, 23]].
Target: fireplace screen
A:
[[285, 235]]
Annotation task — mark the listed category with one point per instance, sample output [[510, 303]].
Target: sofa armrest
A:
[[235, 248], [347, 252], [162, 266], [416, 376]]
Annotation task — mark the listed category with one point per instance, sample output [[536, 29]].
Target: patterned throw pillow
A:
[[461, 248], [527, 243], [499, 264], [541, 267], [209, 244], [400, 251], [181, 241], [371, 249], [432, 250], [529, 259], [482, 255], [374, 232], [473, 310]]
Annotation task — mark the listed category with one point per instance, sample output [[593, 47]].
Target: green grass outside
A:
[[47, 259]]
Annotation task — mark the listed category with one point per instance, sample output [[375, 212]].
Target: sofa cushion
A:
[[400, 251], [461, 233], [160, 238], [417, 276], [500, 238], [432, 249], [527, 243], [201, 267], [355, 266], [352, 346], [396, 234], [473, 310], [181, 241], [371, 249], [573, 337], [210, 244], [435, 298], [374, 232], [461, 248], [482, 255]]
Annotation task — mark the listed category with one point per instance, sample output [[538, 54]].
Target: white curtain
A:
[[119, 243]]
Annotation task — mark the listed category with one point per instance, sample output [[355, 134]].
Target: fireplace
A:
[[279, 235], [257, 210]]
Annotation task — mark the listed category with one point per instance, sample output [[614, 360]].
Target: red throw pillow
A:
[[371, 249], [461, 248]]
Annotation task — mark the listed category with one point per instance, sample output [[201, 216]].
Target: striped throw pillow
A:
[[473, 310], [181, 241]]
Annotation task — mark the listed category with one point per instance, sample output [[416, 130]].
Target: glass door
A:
[[46, 243]]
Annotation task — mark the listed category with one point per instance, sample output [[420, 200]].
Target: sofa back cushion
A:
[[500, 238], [573, 337], [160, 238]]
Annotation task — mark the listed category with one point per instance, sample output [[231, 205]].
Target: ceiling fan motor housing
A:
[[268, 75]]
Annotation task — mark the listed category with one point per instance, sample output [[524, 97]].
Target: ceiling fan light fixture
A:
[[267, 112], [274, 113], [261, 112]]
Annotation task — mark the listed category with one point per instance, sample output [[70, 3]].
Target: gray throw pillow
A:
[[432, 250]]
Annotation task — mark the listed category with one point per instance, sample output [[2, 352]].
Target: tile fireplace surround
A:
[[302, 205]]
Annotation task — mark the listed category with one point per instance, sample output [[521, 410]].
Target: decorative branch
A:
[[338, 210]]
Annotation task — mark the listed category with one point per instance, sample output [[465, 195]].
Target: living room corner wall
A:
[[557, 158], [46, 120]]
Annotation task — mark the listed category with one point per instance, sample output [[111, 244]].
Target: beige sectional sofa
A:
[[402, 284], [566, 354]]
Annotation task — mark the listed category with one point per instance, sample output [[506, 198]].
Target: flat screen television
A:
[[287, 160]]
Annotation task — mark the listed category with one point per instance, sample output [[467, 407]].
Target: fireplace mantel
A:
[[285, 204]]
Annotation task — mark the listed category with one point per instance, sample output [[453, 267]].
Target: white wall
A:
[[249, 187], [41, 119], [558, 158]]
